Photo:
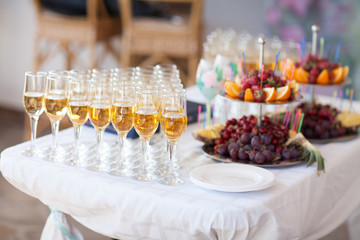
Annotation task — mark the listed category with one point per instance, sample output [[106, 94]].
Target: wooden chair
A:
[[68, 33], [161, 41]]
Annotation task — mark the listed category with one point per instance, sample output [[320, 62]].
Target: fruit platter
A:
[[323, 123], [262, 87], [270, 145], [315, 68], [317, 71]]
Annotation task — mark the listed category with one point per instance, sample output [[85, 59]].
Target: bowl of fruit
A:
[[316, 70], [268, 145], [262, 87], [323, 123]]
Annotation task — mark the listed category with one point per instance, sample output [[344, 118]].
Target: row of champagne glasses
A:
[[126, 97]]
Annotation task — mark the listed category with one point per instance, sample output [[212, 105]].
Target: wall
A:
[[18, 26]]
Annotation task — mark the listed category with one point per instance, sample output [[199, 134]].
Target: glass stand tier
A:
[[261, 105]]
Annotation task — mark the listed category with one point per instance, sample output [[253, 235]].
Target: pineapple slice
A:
[[209, 134]]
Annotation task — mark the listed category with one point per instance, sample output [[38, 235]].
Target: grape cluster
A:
[[320, 121], [243, 141], [315, 65], [253, 81]]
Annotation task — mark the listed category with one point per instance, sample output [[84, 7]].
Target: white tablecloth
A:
[[300, 205]]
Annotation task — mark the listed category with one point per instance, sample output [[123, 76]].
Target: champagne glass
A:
[[101, 73], [173, 122], [33, 96], [122, 118], [55, 102], [146, 121], [99, 115], [78, 111]]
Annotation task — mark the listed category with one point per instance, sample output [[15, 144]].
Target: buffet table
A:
[[300, 205]]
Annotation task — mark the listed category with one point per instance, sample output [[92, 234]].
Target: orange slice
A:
[[345, 72], [300, 75], [338, 75], [323, 78], [237, 80], [294, 85], [270, 94], [232, 89], [249, 96], [289, 67], [283, 93]]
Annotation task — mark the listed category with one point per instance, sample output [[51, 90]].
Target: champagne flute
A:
[[173, 123], [78, 111], [55, 102], [122, 118], [100, 115], [33, 96], [146, 121]]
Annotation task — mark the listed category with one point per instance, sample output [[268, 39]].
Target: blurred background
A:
[[25, 45]]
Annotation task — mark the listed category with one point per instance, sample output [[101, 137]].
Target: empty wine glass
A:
[[173, 120], [79, 85], [33, 95], [100, 115], [55, 102]]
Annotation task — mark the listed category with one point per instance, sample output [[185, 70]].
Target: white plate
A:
[[232, 177]]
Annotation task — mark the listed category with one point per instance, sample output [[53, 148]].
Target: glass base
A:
[[124, 172], [148, 176], [172, 180], [59, 154], [32, 152], [99, 168]]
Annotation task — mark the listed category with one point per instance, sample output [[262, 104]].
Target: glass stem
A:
[[77, 131], [33, 127], [122, 138], [172, 152], [99, 135], [144, 144], [54, 130]]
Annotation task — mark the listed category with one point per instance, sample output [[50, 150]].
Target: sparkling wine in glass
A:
[[146, 121], [173, 124], [55, 103], [33, 95], [122, 118], [79, 86], [100, 116]]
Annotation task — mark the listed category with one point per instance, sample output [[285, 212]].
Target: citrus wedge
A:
[[323, 78], [270, 94], [232, 89], [289, 67], [294, 85], [237, 80], [300, 75], [249, 95], [283, 93], [338, 75], [345, 72]]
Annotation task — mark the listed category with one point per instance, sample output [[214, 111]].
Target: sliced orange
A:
[[270, 94], [323, 78], [300, 75], [232, 89], [294, 85], [289, 67], [283, 93], [249, 95], [345, 72], [338, 75], [237, 80]]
